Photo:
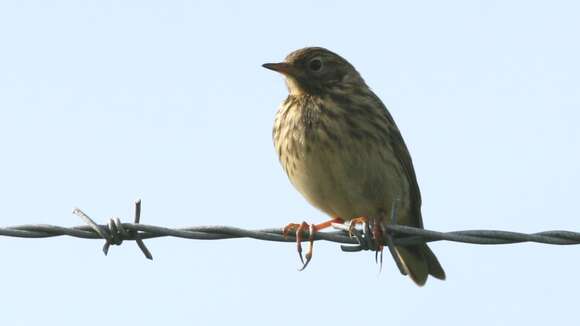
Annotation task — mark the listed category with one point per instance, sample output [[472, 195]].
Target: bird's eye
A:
[[315, 64]]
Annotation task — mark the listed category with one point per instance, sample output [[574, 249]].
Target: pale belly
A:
[[349, 185]]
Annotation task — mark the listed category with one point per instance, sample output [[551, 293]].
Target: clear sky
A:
[[104, 102]]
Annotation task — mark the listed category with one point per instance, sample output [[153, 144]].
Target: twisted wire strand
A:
[[115, 232], [404, 235]]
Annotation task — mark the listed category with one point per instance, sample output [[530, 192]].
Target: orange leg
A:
[[312, 229]]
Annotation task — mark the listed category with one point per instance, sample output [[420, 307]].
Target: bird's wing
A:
[[377, 109], [402, 154]]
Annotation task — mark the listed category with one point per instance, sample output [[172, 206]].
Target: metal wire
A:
[[115, 232]]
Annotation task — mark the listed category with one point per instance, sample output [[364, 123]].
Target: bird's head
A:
[[316, 71]]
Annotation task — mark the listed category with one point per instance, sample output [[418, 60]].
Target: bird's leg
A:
[[312, 229]]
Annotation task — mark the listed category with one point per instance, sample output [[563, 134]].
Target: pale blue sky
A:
[[103, 102]]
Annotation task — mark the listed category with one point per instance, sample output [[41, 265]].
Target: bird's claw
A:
[[379, 240], [299, 229], [372, 238], [353, 223], [312, 229]]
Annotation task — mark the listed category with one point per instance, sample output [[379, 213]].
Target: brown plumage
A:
[[343, 151]]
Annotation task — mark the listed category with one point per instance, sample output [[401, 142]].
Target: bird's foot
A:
[[374, 237], [299, 229], [362, 220]]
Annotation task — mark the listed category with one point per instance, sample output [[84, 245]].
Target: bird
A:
[[342, 150]]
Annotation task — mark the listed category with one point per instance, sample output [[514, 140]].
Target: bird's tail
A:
[[420, 262]]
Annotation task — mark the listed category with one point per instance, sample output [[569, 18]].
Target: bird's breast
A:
[[342, 174]]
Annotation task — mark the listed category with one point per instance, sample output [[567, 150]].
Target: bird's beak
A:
[[282, 67]]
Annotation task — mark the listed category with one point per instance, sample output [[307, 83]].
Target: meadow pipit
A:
[[342, 150]]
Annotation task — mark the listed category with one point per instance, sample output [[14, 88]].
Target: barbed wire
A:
[[115, 232]]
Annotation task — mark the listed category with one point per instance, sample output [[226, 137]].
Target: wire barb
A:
[[115, 232]]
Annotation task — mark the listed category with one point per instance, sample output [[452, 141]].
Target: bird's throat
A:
[[294, 87]]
